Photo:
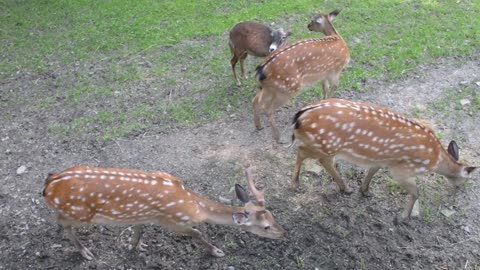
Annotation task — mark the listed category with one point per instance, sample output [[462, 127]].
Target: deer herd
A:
[[363, 134]]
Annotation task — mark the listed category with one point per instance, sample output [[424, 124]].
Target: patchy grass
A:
[[97, 49]]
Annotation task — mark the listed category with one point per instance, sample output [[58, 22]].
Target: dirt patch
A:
[[327, 230]]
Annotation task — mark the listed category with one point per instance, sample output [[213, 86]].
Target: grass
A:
[[451, 101], [105, 49]]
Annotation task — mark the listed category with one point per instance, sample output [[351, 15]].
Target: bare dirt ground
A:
[[326, 229]]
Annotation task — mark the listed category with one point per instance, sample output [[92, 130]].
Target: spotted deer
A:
[[284, 72], [255, 39], [373, 137], [82, 195]]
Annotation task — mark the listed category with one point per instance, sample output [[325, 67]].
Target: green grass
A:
[[451, 100], [104, 49]]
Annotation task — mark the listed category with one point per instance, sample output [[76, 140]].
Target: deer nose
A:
[[272, 48]]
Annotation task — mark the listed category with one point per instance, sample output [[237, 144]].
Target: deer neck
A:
[[213, 212], [330, 30], [446, 166]]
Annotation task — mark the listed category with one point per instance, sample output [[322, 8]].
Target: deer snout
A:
[[272, 48], [310, 26]]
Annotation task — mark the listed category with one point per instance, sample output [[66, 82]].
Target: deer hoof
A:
[[399, 220], [217, 252], [365, 193], [348, 190], [86, 254], [141, 246]]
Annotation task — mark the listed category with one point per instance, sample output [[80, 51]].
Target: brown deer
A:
[[373, 137], [255, 39], [82, 195], [284, 72]]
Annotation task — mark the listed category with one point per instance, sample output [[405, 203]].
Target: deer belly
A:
[[312, 78], [361, 160]]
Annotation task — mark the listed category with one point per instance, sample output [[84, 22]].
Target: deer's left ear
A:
[[453, 150], [333, 14], [241, 193], [241, 218]]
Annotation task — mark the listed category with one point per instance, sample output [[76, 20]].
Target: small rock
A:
[[464, 102], [477, 83], [447, 212], [230, 268], [311, 166], [21, 170], [37, 253], [466, 229], [420, 107]]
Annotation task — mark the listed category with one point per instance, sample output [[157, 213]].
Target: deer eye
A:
[[267, 227]]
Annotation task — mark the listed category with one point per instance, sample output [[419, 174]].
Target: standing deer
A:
[[255, 39], [373, 137], [284, 72], [83, 195]]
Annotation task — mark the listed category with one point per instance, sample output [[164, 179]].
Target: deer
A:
[[287, 70], [373, 137], [252, 38], [118, 196]]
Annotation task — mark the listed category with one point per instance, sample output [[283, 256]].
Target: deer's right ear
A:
[[241, 193], [453, 150]]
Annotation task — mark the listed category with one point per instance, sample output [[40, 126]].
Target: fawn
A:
[[285, 71], [255, 39], [82, 195], [373, 137]]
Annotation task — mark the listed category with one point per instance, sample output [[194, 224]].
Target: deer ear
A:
[[333, 14], [241, 193], [240, 218], [453, 150], [470, 169]]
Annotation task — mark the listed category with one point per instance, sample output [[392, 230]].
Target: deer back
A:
[[367, 135], [115, 196]]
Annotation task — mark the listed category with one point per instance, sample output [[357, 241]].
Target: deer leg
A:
[[332, 85], [411, 187], [68, 228], [136, 238], [407, 183], [256, 109], [298, 165], [271, 120], [83, 250], [242, 65], [325, 88], [328, 164], [197, 236], [366, 181], [233, 62]]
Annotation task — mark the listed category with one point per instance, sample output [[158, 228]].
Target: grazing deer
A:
[[82, 195], [284, 72], [255, 39], [373, 137]]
